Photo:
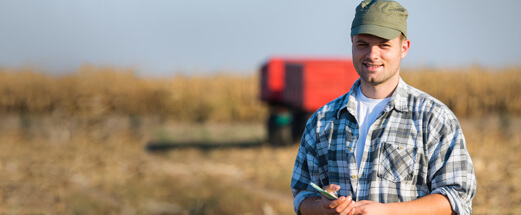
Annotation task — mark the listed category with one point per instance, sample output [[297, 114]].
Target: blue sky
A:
[[161, 37]]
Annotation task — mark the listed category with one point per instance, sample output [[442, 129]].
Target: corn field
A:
[[94, 92]]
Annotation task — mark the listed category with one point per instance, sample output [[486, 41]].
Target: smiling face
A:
[[377, 60]]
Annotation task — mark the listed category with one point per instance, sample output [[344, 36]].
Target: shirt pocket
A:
[[396, 162]]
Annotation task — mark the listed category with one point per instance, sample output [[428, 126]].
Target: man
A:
[[384, 147]]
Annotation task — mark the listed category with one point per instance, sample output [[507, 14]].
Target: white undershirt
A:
[[368, 110]]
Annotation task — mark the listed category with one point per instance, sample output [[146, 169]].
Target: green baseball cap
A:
[[382, 18]]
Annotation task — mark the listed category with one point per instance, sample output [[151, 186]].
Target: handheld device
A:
[[328, 195]]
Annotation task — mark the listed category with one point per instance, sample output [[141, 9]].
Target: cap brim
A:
[[379, 31]]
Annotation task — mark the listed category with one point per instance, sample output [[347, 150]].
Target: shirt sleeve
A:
[[305, 169], [450, 167]]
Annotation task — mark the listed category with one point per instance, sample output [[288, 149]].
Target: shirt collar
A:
[[398, 99]]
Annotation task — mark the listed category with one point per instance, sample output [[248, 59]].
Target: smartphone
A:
[[330, 196]]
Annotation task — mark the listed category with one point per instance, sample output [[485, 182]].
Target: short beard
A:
[[376, 82]]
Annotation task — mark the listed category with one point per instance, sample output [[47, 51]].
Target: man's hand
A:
[[367, 207], [430, 204], [343, 205]]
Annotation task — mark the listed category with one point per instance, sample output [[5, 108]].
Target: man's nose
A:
[[373, 53]]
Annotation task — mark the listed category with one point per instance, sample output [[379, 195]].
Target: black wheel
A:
[[279, 129], [298, 124]]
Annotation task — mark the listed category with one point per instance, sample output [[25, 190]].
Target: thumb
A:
[[332, 188]]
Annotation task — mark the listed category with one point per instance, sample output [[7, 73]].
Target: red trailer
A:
[[294, 88]]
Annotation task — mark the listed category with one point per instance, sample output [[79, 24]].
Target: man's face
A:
[[377, 60]]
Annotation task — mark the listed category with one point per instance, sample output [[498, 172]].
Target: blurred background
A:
[[134, 107]]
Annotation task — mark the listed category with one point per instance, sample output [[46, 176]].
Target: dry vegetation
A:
[[224, 97], [75, 144], [95, 92], [472, 91]]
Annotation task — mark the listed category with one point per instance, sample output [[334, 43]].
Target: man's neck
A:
[[379, 91]]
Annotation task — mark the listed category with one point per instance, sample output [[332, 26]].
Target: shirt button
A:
[[351, 149], [357, 127], [353, 176], [400, 148]]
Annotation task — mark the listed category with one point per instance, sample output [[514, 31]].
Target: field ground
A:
[[56, 165]]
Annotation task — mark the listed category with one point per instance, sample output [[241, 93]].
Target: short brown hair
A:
[[402, 37]]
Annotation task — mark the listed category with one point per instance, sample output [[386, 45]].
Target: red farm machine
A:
[[294, 88]]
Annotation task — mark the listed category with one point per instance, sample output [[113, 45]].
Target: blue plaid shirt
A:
[[414, 148]]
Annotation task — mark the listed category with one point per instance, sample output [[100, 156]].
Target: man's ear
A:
[[406, 44]]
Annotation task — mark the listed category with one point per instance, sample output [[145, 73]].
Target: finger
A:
[[346, 207], [360, 203], [353, 210], [331, 204], [359, 207], [345, 204], [332, 188]]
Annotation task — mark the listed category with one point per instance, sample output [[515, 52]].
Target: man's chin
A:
[[371, 81]]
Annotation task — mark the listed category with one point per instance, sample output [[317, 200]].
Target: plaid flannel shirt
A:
[[414, 148]]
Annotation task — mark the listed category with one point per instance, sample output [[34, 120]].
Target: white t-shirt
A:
[[368, 110]]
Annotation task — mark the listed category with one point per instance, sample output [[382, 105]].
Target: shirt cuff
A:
[[301, 195], [460, 206]]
